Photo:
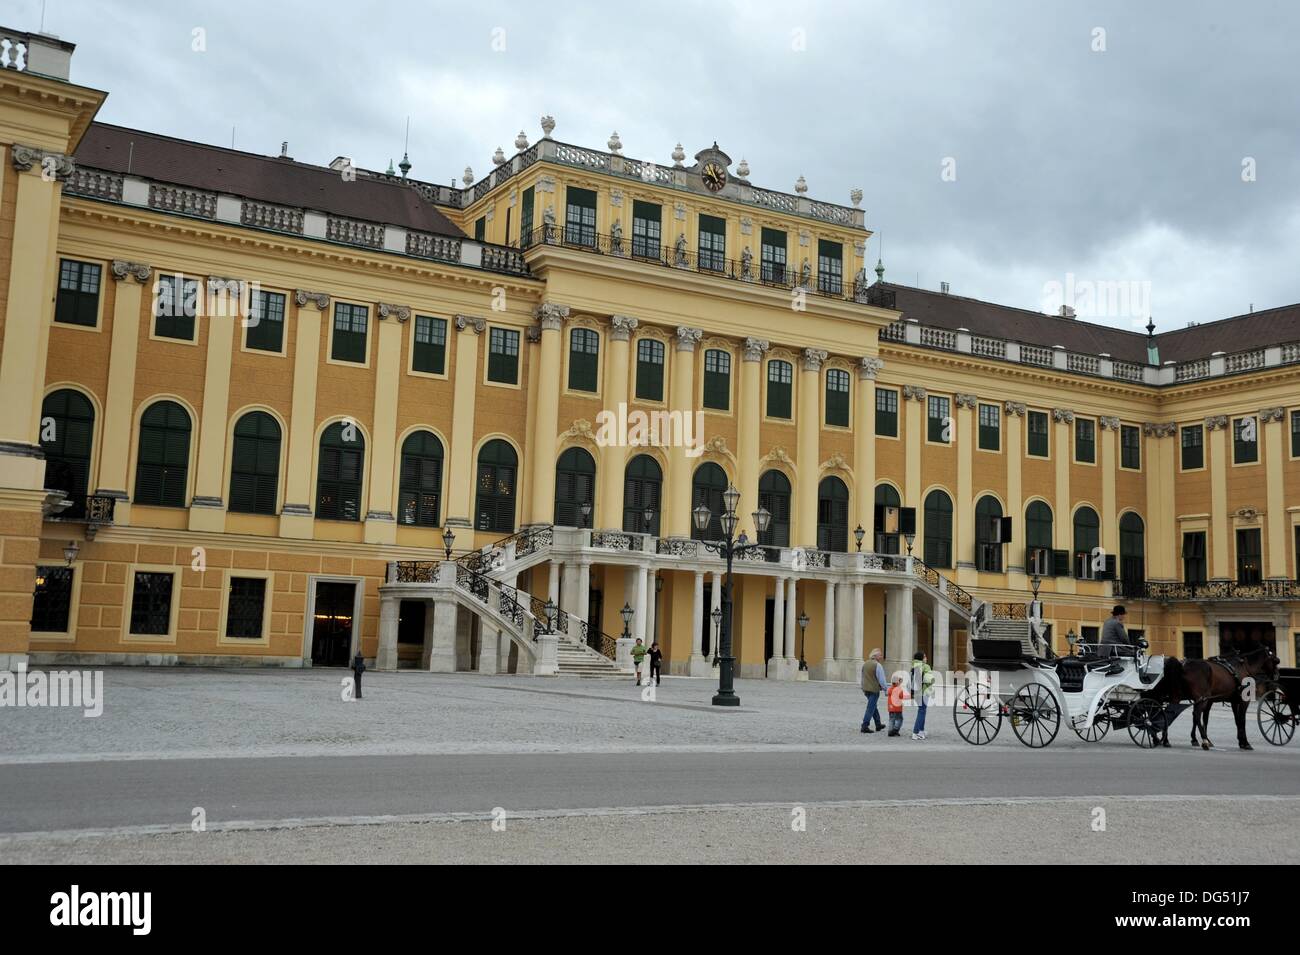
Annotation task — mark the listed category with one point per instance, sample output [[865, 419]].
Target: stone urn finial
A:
[[468, 177], [521, 141], [548, 126], [499, 157], [855, 196], [615, 144], [678, 155], [801, 185], [742, 170]]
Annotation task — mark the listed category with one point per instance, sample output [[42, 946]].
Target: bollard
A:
[[358, 668]]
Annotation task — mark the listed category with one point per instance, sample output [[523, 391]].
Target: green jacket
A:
[[639, 651], [927, 681]]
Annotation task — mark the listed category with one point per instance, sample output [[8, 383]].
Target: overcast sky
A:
[[1121, 164]]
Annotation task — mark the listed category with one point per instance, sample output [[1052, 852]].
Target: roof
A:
[[272, 179], [1238, 333]]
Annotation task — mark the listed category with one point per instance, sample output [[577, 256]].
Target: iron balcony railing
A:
[[1171, 591], [89, 509]]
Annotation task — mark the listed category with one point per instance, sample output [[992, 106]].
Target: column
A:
[[864, 445], [1164, 552], [642, 612], [748, 411], [1014, 443], [386, 655], [489, 647], [698, 665], [119, 404], [296, 516], [1273, 435], [546, 423], [942, 656], [460, 491], [1216, 450], [791, 616], [613, 454], [584, 592], [807, 458], [778, 625], [902, 627], [963, 528], [207, 510], [440, 637], [677, 501], [553, 583], [856, 595], [913, 437], [652, 605], [715, 604], [828, 631], [1109, 428], [381, 526]]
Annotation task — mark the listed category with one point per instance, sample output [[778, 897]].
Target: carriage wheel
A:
[[1273, 713], [1035, 715], [976, 714], [1146, 723], [1099, 728]]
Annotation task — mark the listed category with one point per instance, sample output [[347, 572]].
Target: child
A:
[[895, 699], [639, 651]]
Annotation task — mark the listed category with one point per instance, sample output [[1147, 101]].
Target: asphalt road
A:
[[53, 797]]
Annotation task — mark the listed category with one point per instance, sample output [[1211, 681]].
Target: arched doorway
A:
[[642, 487], [832, 515], [67, 432], [706, 488], [774, 495]]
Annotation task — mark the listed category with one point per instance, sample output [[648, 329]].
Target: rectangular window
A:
[[837, 398], [175, 306], [151, 604], [717, 379], [1250, 570], [650, 370], [1193, 645], [1193, 447], [830, 267], [1038, 446], [52, 600], [780, 384], [78, 298], [245, 605], [350, 324], [1194, 557], [503, 356], [430, 349], [646, 229], [584, 355], [773, 256], [1085, 440], [526, 218], [1245, 440], [1130, 447], [1295, 434], [480, 228], [266, 322], [938, 420], [580, 217], [887, 412], [713, 243], [990, 428]]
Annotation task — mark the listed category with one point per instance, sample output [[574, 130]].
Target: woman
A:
[[656, 662]]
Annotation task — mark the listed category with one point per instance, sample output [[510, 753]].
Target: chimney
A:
[[1067, 311], [943, 288], [284, 150], [340, 163]]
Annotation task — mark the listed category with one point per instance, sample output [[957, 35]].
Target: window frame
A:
[[591, 338], [133, 570], [726, 358], [1257, 535], [187, 482], [1082, 423], [931, 402], [773, 270], [1030, 417], [255, 474], [662, 365], [1238, 444], [830, 267], [268, 600], [434, 322], [355, 309], [1199, 431], [641, 230], [788, 385], [78, 294], [361, 482], [893, 412], [711, 257], [256, 299], [169, 279], [1136, 447], [982, 429], [419, 490], [847, 399], [69, 633], [1202, 559], [505, 336], [580, 230]]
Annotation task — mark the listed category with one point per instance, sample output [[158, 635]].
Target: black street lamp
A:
[[626, 614], [717, 629], [729, 548], [803, 642], [648, 517], [910, 538], [586, 514], [858, 534], [549, 610], [448, 538]]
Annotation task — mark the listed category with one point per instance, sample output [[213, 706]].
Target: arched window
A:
[[988, 539], [642, 483], [1086, 528], [886, 529], [497, 467], [938, 529], [340, 473], [832, 515], [837, 397], [1132, 554], [67, 431], [255, 464], [774, 494], [1038, 539], [575, 484], [419, 495], [163, 463], [706, 488]]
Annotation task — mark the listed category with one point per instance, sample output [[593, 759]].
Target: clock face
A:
[[714, 175]]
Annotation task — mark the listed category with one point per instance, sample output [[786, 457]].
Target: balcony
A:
[[93, 510], [1266, 590]]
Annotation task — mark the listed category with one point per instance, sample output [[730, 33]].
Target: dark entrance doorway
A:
[[709, 633], [331, 632], [769, 638], [1234, 634]]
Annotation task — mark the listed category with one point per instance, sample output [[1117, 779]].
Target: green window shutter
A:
[[580, 216], [990, 427], [773, 256], [503, 356], [265, 331], [1245, 441], [713, 243], [526, 218], [717, 379], [887, 412], [780, 383], [584, 356], [162, 463], [1038, 445], [830, 267], [77, 300], [937, 419], [351, 324], [1085, 440], [430, 345], [647, 229], [837, 398], [650, 370]]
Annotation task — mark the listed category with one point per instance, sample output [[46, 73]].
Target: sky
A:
[[1144, 155]]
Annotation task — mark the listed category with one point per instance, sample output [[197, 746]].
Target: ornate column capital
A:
[[1015, 409], [1216, 421], [688, 338], [1267, 415], [813, 358], [1108, 423], [53, 165], [622, 327], [913, 393], [1153, 429], [550, 316], [320, 299], [1063, 415], [470, 321], [220, 283], [400, 312], [965, 400], [755, 348], [869, 368], [121, 269]]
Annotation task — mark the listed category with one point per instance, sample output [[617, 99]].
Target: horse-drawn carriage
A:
[[1089, 692], [1278, 710]]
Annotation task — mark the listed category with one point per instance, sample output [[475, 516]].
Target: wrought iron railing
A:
[[1008, 610], [1222, 590], [88, 508], [416, 571]]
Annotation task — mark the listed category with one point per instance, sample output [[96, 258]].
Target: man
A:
[[1113, 633], [873, 682], [639, 650]]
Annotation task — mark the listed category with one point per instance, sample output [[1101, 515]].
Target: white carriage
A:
[[1088, 692]]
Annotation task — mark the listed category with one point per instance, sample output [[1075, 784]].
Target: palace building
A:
[[262, 411]]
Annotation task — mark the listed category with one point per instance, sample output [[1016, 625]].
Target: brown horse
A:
[[1226, 678]]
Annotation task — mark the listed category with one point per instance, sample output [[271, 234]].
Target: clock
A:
[[714, 175]]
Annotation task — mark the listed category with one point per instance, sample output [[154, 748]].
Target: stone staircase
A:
[[576, 659], [1001, 629]]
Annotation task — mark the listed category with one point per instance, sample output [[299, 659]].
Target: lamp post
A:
[[448, 538], [549, 610], [647, 518], [729, 547], [70, 552], [858, 534], [586, 514], [910, 538], [717, 629], [803, 625], [626, 614]]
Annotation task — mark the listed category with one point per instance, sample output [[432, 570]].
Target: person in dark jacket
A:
[[656, 663], [1113, 633]]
